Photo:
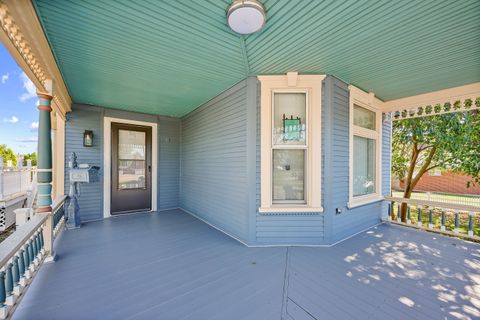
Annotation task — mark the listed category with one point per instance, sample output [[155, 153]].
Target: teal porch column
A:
[[44, 171], [44, 155]]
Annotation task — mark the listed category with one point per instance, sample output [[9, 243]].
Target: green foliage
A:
[[468, 103], [7, 154], [447, 106], [454, 138], [457, 105], [30, 156]]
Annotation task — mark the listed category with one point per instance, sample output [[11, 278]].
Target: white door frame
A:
[[107, 160]]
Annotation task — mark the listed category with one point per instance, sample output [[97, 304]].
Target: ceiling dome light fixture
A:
[[246, 16]]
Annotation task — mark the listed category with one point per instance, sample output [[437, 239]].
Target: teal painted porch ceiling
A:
[[169, 57]]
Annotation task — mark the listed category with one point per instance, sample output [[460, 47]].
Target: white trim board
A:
[[107, 163], [312, 86], [369, 102]]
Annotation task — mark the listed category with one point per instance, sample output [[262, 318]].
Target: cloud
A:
[[5, 77], [29, 86], [30, 139], [12, 119], [34, 126]]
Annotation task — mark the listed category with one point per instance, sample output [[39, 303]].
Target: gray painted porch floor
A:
[[170, 265]]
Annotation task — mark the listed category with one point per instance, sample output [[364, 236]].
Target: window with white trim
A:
[[289, 147], [365, 148], [290, 143]]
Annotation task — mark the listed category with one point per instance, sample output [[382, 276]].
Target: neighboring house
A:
[[445, 182]]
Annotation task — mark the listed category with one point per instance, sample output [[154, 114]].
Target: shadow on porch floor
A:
[[170, 265]]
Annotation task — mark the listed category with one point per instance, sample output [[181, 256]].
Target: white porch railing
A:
[[23, 252], [448, 218]]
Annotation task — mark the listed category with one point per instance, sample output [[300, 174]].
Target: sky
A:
[[18, 111]]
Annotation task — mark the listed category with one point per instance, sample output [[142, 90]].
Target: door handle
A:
[[149, 168]]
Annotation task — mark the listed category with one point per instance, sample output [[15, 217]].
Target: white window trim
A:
[[292, 82], [369, 102], [107, 160]]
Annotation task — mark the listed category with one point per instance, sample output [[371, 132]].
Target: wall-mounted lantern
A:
[[88, 138]]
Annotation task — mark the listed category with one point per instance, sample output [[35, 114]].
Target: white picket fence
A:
[[15, 184], [15, 180]]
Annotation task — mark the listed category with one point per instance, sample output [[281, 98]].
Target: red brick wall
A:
[[448, 182]]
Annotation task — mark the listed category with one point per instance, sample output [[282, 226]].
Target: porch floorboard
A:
[[169, 265]]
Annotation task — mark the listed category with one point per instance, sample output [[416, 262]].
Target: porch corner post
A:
[[44, 170]]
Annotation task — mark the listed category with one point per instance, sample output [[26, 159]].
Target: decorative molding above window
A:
[[291, 144]]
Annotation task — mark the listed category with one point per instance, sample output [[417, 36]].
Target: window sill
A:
[[287, 210], [361, 201]]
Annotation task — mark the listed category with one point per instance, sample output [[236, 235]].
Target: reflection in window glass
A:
[[363, 118], [363, 166], [288, 175], [131, 145], [131, 159], [131, 174], [289, 119]]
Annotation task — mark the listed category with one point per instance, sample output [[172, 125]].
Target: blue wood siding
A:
[[350, 221], [79, 120], [91, 118], [213, 171], [168, 163], [386, 162]]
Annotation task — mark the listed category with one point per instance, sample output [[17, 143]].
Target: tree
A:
[[449, 141], [30, 156], [7, 154]]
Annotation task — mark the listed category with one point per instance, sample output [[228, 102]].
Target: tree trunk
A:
[[411, 181], [403, 208]]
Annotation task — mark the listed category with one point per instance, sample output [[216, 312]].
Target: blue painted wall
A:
[[209, 165], [85, 117], [350, 221], [79, 120], [213, 174]]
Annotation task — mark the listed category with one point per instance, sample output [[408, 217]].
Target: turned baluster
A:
[[16, 271], [30, 252], [470, 224], [21, 262], [443, 220], [456, 222], [3, 295], [430, 219], [27, 256], [419, 217], [9, 282]]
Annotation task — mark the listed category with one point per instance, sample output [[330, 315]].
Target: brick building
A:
[[445, 181]]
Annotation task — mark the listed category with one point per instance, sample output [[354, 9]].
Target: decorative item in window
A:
[[291, 129], [88, 138]]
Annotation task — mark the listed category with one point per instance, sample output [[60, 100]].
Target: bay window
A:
[[365, 148]]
